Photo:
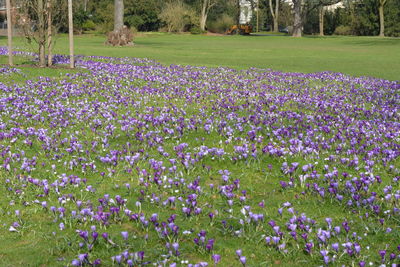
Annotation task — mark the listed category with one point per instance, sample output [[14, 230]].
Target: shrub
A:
[[89, 25], [343, 30], [221, 25], [178, 16], [196, 30]]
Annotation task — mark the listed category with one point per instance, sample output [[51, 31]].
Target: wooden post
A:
[[9, 33], [41, 25], [71, 35], [49, 34]]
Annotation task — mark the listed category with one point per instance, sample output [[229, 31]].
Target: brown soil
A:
[[214, 34]]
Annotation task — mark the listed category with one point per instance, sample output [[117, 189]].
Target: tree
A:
[[381, 18], [302, 8], [298, 18], [122, 35], [40, 21], [321, 15], [9, 33], [205, 9], [275, 14], [41, 32], [118, 14], [85, 5]]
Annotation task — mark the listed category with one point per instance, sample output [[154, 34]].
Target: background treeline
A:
[[357, 17]]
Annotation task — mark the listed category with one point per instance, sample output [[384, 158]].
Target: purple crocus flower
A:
[[118, 259], [125, 235], [242, 260], [382, 253], [76, 262], [105, 235], [216, 258]]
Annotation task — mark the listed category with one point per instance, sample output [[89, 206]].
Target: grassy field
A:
[[121, 157], [357, 56]]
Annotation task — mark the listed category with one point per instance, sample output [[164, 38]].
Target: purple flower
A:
[[382, 253], [118, 259], [242, 260], [76, 262], [105, 235], [216, 258], [125, 235], [335, 247]]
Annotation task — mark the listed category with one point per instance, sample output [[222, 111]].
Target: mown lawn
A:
[[357, 56]]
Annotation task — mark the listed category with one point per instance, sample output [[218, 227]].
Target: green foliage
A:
[[312, 25], [343, 30], [89, 25], [363, 18], [151, 15], [196, 30], [392, 17], [80, 19], [366, 18], [102, 15], [143, 14], [221, 25]]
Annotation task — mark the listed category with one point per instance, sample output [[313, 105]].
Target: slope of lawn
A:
[[128, 162], [357, 56]]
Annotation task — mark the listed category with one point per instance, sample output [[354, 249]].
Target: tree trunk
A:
[[276, 21], [203, 16], [238, 13], [41, 34], [381, 18], [298, 19], [49, 34], [85, 4], [9, 33], [275, 15], [118, 14], [321, 20], [71, 35]]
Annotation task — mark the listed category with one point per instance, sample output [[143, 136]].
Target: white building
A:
[[335, 6], [246, 11]]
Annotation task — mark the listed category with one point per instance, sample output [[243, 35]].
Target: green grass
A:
[[356, 56], [377, 57]]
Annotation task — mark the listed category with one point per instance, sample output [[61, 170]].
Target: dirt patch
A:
[[214, 34]]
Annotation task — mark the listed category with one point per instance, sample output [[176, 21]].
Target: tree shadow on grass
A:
[[374, 42], [359, 40]]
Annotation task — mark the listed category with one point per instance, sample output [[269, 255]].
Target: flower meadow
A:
[[129, 162]]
